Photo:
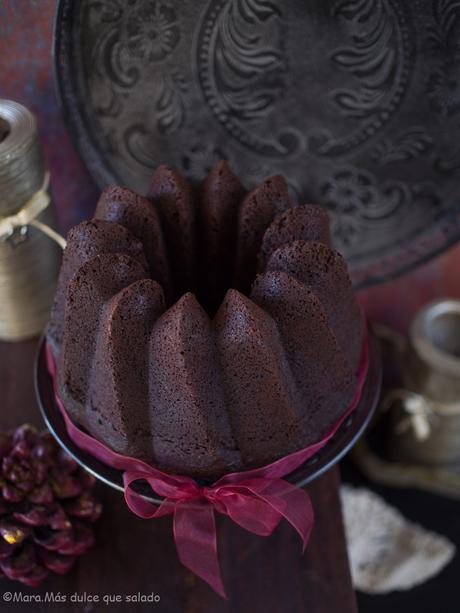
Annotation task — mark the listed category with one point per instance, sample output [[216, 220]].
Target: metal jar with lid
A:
[[29, 259], [431, 378]]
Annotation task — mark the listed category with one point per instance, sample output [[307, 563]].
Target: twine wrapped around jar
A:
[[29, 260]]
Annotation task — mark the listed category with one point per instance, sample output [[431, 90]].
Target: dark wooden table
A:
[[134, 556]]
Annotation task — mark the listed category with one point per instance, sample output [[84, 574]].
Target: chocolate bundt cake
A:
[[205, 329]]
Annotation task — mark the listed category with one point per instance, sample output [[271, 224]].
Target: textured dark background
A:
[[26, 76]]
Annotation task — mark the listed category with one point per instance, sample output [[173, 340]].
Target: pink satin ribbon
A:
[[256, 500]]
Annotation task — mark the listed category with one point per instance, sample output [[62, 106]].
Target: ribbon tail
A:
[[196, 543], [302, 521], [296, 507]]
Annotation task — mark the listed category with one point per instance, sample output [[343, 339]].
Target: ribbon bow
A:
[[257, 504], [27, 215]]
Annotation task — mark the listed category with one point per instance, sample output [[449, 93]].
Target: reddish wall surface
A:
[[26, 76]]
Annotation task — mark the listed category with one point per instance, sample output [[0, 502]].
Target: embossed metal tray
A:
[[342, 441], [357, 103]]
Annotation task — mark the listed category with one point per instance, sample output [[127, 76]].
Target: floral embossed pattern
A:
[[355, 102], [355, 198], [152, 31]]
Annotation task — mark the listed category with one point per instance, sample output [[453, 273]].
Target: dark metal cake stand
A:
[[342, 441]]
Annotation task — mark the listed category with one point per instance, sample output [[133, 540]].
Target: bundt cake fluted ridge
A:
[[205, 329]]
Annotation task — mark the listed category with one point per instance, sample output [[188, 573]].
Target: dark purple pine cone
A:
[[46, 507]]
